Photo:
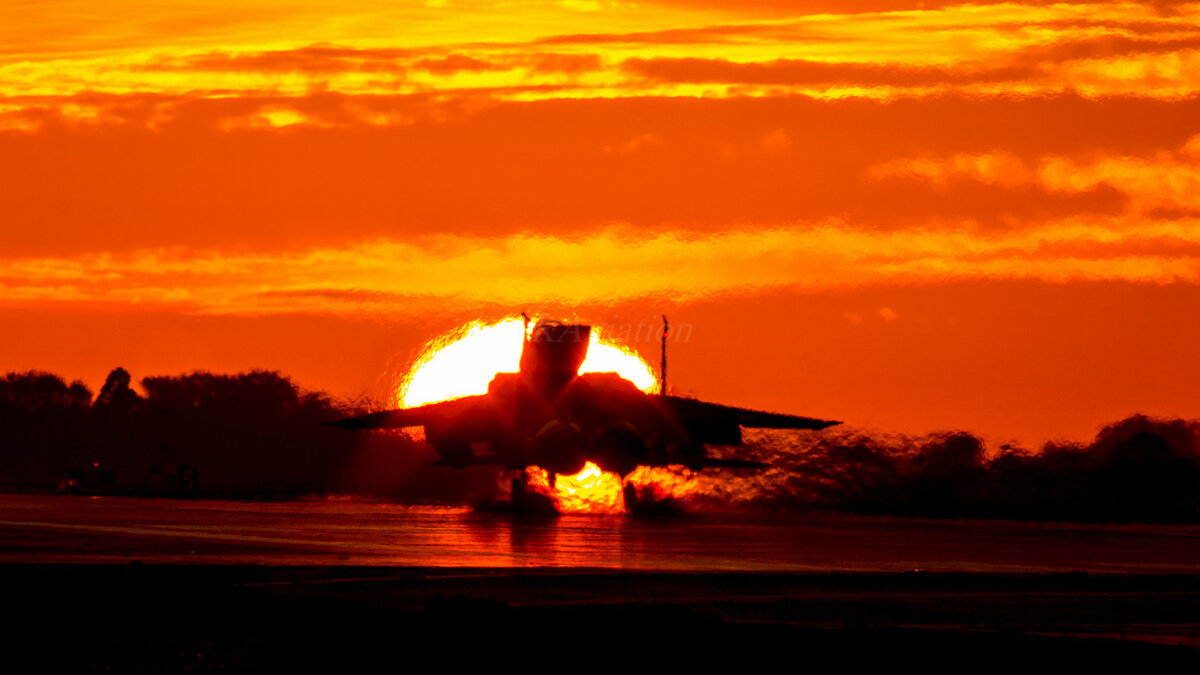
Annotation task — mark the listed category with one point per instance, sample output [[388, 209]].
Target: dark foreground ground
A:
[[140, 617], [114, 584]]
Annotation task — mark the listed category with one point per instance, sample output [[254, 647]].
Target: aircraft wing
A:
[[692, 409], [413, 417]]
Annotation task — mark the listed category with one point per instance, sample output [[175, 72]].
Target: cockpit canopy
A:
[[553, 347]]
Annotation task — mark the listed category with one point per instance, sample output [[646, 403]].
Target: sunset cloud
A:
[[285, 175], [607, 267], [902, 50], [1168, 180]]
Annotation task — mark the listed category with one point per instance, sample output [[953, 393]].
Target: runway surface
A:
[[78, 529], [124, 584]]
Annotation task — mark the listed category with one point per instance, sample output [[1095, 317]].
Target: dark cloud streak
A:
[[798, 72]]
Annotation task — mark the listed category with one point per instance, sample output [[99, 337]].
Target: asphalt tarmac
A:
[[131, 585], [340, 532]]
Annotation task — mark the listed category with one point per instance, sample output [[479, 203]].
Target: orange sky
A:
[[910, 216]]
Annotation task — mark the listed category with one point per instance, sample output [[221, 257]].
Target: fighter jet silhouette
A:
[[549, 415]]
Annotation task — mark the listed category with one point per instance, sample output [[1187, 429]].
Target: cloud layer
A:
[[256, 168]]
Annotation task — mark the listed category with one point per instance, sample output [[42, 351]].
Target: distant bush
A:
[[249, 434], [1138, 469], [257, 434]]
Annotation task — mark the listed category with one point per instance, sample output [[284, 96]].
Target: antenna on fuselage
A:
[[662, 377]]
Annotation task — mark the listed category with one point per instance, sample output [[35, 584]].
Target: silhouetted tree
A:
[[257, 433], [43, 423], [1137, 469], [80, 395], [116, 395], [34, 390]]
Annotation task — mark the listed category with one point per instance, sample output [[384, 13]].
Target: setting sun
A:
[[463, 362]]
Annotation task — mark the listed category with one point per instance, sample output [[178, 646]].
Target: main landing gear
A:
[[527, 500]]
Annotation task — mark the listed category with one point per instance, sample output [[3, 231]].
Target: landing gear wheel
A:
[[629, 491], [527, 500]]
